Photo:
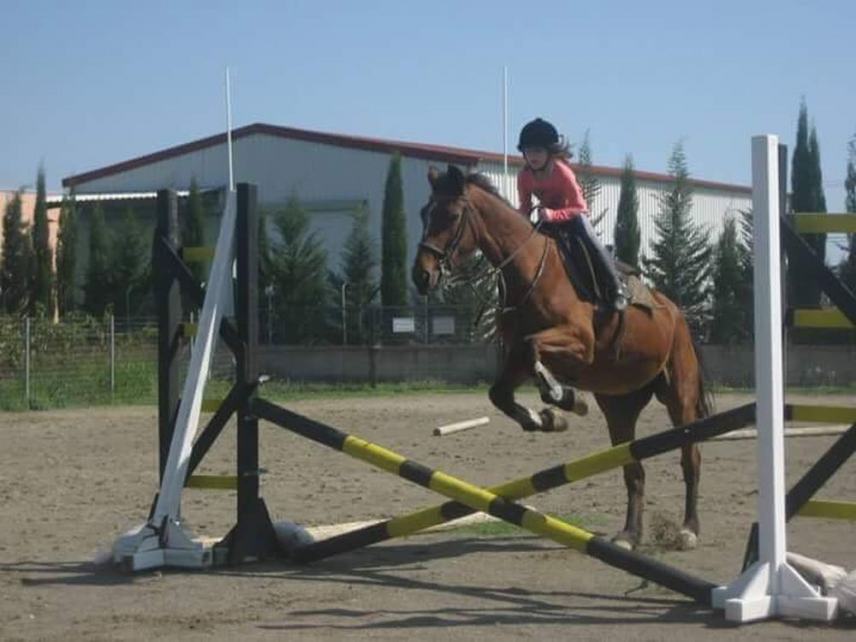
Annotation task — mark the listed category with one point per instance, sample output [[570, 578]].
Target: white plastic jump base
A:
[[142, 548], [139, 549]]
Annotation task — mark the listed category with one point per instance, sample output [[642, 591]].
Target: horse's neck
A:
[[505, 232]]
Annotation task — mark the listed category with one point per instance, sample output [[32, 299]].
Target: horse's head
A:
[[448, 235]]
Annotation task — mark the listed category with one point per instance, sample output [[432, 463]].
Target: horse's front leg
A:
[[516, 369], [573, 350]]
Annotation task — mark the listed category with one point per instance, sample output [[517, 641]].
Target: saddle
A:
[[586, 274]]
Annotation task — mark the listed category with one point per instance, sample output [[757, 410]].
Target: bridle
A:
[[445, 255]]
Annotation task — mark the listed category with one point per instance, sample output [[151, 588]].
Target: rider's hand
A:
[[544, 214]]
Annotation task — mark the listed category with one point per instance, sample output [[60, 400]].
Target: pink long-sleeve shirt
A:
[[559, 193]]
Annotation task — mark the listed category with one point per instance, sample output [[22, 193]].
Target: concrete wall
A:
[[464, 364], [468, 364]]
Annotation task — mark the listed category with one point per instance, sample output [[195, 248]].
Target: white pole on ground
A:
[[458, 426], [769, 588]]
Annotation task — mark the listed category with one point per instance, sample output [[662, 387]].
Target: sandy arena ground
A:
[[71, 481]]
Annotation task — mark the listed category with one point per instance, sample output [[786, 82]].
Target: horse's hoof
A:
[[624, 543], [581, 407], [553, 421], [687, 540]]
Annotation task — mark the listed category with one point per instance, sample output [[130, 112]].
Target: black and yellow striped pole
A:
[[542, 481], [479, 499]]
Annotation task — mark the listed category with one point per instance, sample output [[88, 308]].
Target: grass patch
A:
[[296, 391]]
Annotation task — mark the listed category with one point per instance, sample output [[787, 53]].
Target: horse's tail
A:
[[704, 401]]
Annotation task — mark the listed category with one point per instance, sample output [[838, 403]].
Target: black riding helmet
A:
[[538, 133]]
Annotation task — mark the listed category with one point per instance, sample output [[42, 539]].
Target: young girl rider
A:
[[549, 176]]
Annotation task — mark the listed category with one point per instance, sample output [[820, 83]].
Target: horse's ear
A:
[[457, 179], [433, 176]]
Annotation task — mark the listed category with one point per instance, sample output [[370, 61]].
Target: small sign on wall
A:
[[403, 325], [443, 326]]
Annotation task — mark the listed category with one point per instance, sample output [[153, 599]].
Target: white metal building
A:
[[331, 174]]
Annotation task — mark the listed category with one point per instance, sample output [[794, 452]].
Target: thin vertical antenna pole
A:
[[505, 129], [229, 131]]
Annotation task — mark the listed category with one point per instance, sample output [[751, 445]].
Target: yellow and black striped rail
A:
[[831, 318], [212, 482], [541, 481], [480, 499], [822, 414], [828, 509], [197, 253], [824, 223]]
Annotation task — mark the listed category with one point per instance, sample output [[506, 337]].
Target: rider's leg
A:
[[616, 295]]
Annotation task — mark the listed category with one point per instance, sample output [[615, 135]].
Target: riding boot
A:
[[616, 296]]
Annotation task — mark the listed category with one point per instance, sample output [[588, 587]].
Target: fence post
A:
[[112, 355], [27, 361]]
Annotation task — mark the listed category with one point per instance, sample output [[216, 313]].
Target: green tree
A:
[[66, 255], [299, 275], [98, 288], [17, 258], [729, 290], [41, 285], [680, 263], [589, 182], [358, 272], [128, 265], [266, 292], [847, 268], [807, 196], [193, 228], [393, 279], [628, 237]]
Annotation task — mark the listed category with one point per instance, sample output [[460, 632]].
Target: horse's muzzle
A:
[[425, 280]]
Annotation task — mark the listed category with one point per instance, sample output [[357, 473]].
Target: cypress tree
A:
[[128, 264], [266, 293], [628, 237], [680, 261], [728, 311], [17, 252], [807, 196], [393, 280], [41, 284], [193, 228], [847, 269], [299, 274], [98, 288], [66, 256], [359, 264], [589, 183]]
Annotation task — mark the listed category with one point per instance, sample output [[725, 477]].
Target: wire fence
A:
[[83, 360]]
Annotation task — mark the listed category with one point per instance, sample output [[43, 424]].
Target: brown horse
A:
[[550, 334]]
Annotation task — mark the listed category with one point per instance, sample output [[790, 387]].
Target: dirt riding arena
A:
[[71, 481]]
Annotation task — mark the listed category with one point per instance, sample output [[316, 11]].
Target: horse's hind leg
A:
[[621, 413], [681, 394]]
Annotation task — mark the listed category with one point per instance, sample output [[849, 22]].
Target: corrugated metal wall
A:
[[321, 174], [710, 206]]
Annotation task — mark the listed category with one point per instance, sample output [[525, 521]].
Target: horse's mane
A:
[[483, 182]]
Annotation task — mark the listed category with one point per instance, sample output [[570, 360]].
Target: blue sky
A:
[[90, 83]]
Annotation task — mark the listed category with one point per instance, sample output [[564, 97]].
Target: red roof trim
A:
[[439, 153]]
